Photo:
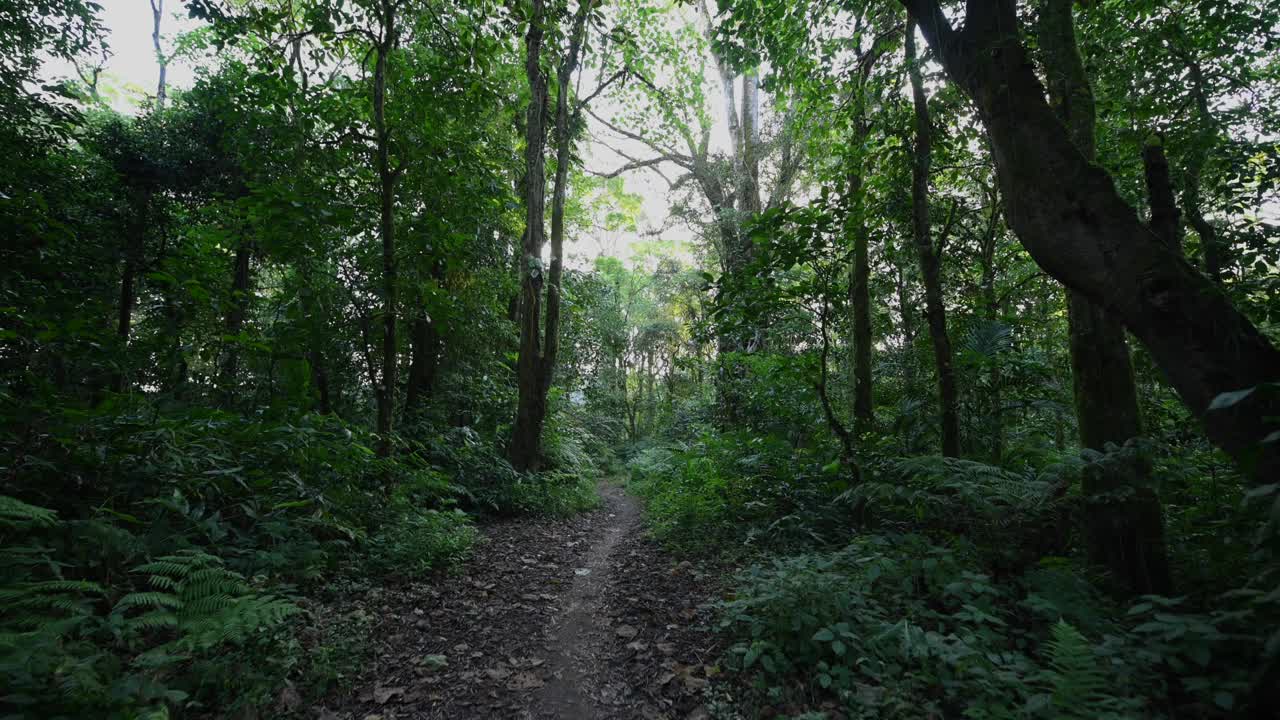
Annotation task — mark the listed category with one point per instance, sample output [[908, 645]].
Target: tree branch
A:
[[678, 158]]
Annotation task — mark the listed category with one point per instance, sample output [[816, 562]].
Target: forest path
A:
[[584, 618]]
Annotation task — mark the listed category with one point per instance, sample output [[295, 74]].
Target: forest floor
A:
[[579, 618]]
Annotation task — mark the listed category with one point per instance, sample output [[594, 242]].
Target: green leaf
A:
[[1228, 399]]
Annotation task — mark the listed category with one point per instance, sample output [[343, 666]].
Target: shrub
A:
[[417, 542], [895, 626]]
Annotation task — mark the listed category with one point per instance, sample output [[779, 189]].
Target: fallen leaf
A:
[[525, 681], [435, 662], [383, 695], [289, 699]]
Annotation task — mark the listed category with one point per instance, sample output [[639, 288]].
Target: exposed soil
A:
[[580, 618]]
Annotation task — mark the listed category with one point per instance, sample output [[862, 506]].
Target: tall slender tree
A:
[[157, 16], [536, 364], [929, 253], [386, 42]]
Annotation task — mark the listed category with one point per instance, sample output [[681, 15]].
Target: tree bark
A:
[[860, 301], [157, 14], [134, 247], [387, 180], [860, 275], [535, 366], [320, 378], [236, 314], [820, 387], [1164, 208], [1210, 244], [930, 262], [1124, 529], [749, 183], [1074, 223], [424, 341]]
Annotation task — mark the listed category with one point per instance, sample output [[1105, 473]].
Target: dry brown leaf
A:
[[383, 695]]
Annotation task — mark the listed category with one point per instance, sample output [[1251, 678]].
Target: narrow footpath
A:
[[584, 618]]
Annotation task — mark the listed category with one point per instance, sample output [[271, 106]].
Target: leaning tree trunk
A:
[[1076, 226], [1124, 528], [930, 262]]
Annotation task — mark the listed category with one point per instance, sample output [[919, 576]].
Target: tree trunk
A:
[[749, 183], [1210, 243], [236, 314], [860, 284], [820, 387], [1074, 223], [535, 367], [526, 435], [930, 262], [992, 312], [424, 341], [1124, 527], [157, 14], [320, 378], [1164, 208], [134, 247], [387, 179]]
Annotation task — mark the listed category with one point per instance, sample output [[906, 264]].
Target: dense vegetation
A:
[[959, 339]]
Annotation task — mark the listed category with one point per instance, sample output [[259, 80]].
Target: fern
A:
[[1079, 685], [203, 602], [1076, 677], [15, 514]]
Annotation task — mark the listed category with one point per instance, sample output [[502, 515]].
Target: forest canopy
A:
[[945, 332]]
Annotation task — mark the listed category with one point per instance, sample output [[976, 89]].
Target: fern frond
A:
[[155, 621], [16, 514], [149, 600], [1076, 677]]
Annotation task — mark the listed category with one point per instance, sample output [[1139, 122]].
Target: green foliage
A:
[[162, 644], [418, 542], [961, 602], [893, 626]]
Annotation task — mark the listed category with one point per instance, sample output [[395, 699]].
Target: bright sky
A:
[[130, 75], [131, 71]]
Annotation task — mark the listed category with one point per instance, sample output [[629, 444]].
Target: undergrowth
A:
[[191, 564], [941, 587]]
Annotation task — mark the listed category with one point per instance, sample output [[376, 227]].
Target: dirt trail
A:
[[581, 640], [582, 619]]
